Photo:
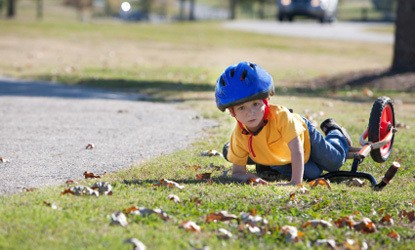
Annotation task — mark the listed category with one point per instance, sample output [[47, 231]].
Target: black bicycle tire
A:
[[374, 127]]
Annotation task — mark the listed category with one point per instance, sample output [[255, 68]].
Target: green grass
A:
[[170, 73]]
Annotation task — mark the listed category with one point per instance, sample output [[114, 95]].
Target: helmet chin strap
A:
[[246, 131]]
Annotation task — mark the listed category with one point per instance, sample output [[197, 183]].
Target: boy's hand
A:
[[257, 181]]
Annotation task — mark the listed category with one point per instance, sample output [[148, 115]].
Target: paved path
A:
[[45, 128], [345, 31]]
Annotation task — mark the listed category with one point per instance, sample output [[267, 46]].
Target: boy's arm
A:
[[239, 173], [297, 161]]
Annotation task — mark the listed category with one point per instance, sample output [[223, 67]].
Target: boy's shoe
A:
[[330, 124]]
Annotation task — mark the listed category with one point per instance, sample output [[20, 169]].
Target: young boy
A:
[[271, 135]]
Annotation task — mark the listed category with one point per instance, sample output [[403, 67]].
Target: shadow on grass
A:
[[156, 183], [160, 91]]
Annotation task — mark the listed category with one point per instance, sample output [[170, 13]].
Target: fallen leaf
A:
[[320, 182], [410, 215], [290, 233], [81, 190], [224, 234], [70, 182], [345, 221], [174, 198], [190, 226], [211, 153], [170, 184], [315, 223], [204, 176], [90, 146], [331, 244], [142, 211], [90, 175], [3, 160], [355, 182], [220, 216], [119, 218], [31, 189], [367, 92], [103, 188], [394, 235], [195, 167], [387, 219], [137, 245], [52, 205], [365, 226]]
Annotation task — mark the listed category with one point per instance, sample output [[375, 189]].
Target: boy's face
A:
[[250, 114]]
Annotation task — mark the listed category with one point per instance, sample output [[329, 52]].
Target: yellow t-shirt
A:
[[270, 145]]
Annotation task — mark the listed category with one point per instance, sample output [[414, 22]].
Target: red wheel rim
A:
[[386, 124]]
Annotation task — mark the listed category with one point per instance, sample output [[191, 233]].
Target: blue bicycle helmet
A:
[[242, 82]]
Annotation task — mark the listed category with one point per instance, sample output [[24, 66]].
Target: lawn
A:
[[180, 62]]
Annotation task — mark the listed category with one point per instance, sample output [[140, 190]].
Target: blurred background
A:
[[174, 10]]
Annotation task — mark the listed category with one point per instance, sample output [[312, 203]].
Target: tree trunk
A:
[[192, 10], [39, 12], [404, 48], [181, 11], [11, 8], [232, 9]]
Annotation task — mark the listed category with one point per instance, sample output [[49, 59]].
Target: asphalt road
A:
[[45, 128], [340, 31]]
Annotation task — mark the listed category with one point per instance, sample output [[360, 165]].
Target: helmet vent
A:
[[243, 76], [222, 82], [232, 72], [252, 65]]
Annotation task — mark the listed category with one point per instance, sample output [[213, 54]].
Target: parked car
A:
[[131, 10], [322, 10]]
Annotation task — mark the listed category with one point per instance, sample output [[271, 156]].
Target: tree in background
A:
[[387, 7], [404, 47], [11, 8]]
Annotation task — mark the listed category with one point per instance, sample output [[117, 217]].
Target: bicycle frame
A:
[[358, 154]]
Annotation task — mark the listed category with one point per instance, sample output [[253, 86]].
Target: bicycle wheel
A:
[[381, 121]]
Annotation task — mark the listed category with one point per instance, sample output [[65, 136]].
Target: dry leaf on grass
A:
[[90, 175], [330, 244], [81, 190], [52, 205], [220, 216], [409, 215], [355, 182], [224, 234], [190, 226], [174, 198], [167, 183], [137, 245], [70, 182], [211, 153], [31, 189], [387, 219], [119, 218], [320, 182], [3, 160], [291, 233], [90, 146], [104, 188], [394, 235], [203, 176], [142, 211], [315, 223]]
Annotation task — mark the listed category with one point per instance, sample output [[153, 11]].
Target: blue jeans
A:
[[327, 153]]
